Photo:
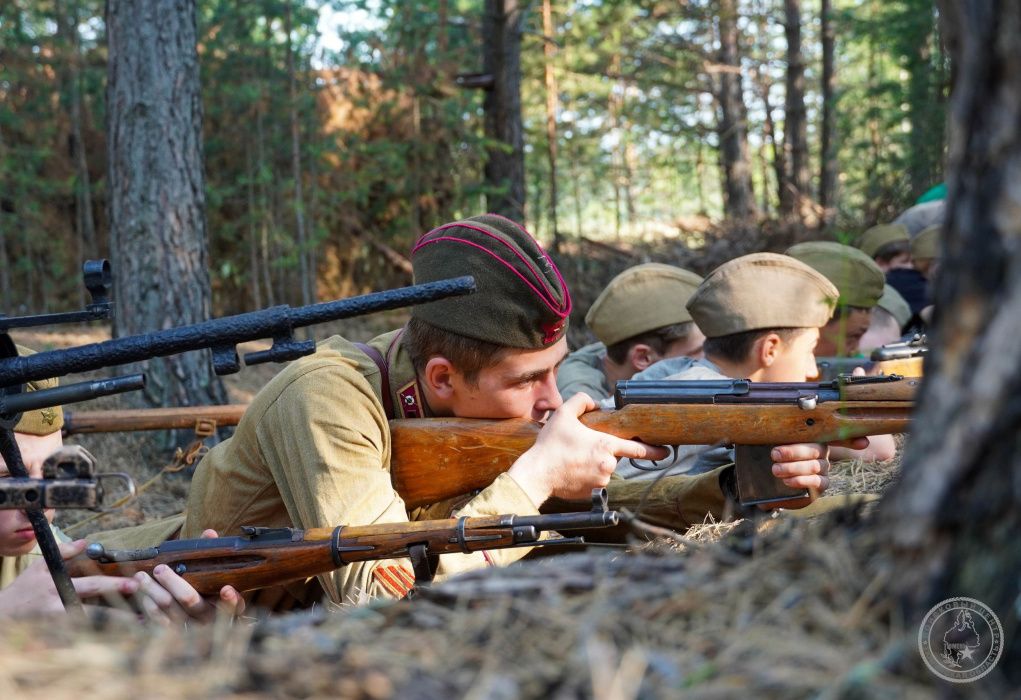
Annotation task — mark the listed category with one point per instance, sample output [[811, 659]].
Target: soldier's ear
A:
[[767, 349], [438, 376], [640, 356]]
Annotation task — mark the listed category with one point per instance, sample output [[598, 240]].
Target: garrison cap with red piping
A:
[[522, 300]]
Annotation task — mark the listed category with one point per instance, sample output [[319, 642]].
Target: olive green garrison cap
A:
[[883, 234], [522, 300], [854, 273], [894, 304], [762, 291], [41, 421], [642, 299], [926, 245]]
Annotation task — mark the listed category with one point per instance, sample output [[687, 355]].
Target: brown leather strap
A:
[[384, 371]]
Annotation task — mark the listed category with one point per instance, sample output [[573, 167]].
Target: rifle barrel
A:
[[220, 334], [12, 404]]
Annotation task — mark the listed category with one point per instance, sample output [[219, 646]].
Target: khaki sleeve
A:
[[502, 497], [326, 442], [677, 502], [326, 445]]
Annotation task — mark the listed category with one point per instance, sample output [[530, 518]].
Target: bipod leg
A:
[[41, 527]]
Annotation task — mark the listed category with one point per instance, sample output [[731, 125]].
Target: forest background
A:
[[335, 133]]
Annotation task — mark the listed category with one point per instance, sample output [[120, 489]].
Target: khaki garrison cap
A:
[[855, 274], [894, 304], [759, 292], [926, 245], [642, 299], [883, 234], [522, 300], [41, 421]]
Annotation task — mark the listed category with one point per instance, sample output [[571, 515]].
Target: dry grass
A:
[[803, 616]]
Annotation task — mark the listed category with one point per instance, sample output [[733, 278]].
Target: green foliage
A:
[[390, 145]]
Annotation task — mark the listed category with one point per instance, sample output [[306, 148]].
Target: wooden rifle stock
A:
[[76, 422], [437, 458], [262, 557]]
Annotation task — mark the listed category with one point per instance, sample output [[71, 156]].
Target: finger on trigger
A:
[[639, 450]]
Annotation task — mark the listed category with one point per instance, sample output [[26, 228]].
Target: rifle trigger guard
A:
[[654, 464]]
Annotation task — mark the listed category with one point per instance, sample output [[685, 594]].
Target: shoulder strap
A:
[[384, 371]]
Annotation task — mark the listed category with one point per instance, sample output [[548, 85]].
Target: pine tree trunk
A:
[[795, 124], [265, 220], [921, 162], [5, 260], [305, 275], [549, 53], [954, 517], [158, 236], [253, 234], [828, 147], [67, 28], [739, 197], [505, 162]]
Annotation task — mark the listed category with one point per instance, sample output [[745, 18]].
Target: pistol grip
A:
[[756, 485]]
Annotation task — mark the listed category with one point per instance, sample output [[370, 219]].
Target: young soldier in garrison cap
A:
[[313, 448], [926, 255], [925, 251], [761, 314], [889, 319], [889, 246], [639, 319], [860, 283], [26, 586]]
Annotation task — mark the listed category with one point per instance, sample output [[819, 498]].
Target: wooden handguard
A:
[[262, 557], [77, 422]]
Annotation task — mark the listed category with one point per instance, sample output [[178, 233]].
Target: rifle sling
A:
[[384, 371]]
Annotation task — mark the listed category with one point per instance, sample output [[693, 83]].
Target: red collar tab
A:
[[408, 401]]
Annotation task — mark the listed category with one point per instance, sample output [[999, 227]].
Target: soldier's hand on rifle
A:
[[807, 465], [33, 591], [568, 459], [166, 597]]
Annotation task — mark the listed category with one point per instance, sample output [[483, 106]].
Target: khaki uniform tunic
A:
[[313, 450], [582, 371]]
